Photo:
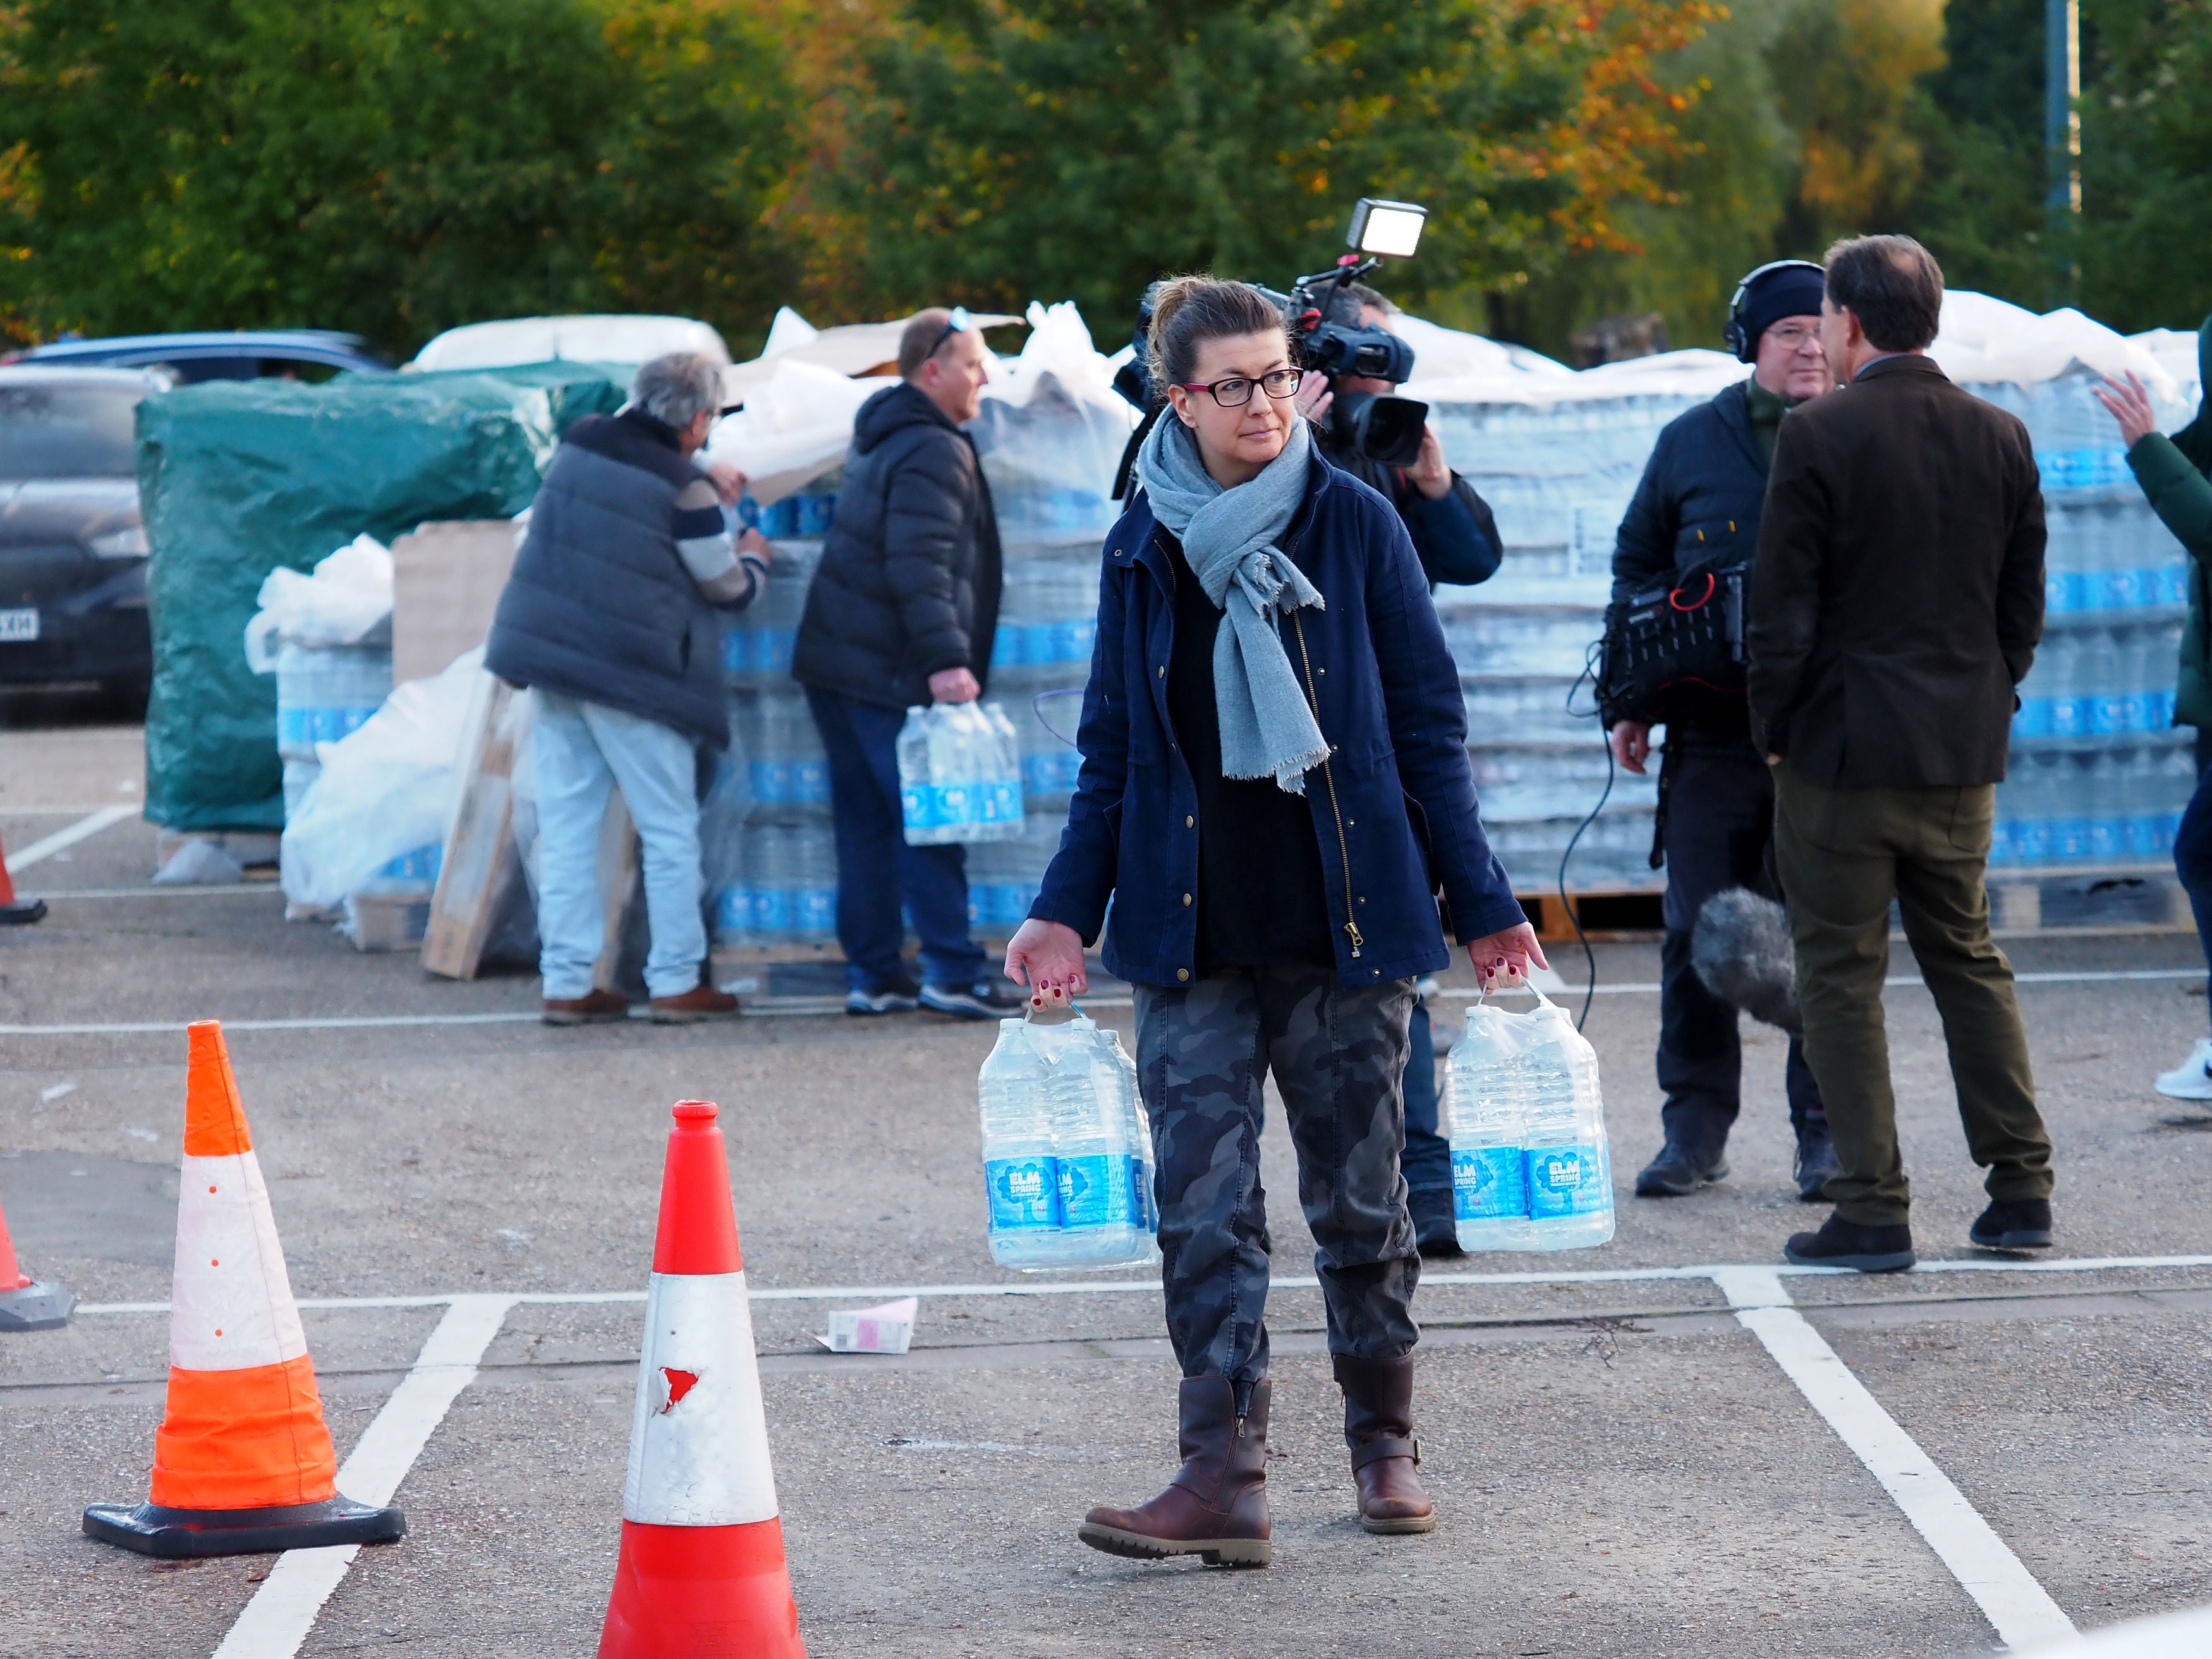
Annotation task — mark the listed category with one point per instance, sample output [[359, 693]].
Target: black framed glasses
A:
[[1236, 392], [959, 323]]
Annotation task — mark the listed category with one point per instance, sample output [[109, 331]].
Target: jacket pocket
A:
[[1933, 716]]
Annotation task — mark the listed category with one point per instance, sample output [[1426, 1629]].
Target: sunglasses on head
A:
[[956, 324]]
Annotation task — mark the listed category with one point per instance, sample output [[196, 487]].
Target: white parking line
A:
[[2017, 1606], [807, 1007], [62, 840], [1714, 1271], [276, 1620]]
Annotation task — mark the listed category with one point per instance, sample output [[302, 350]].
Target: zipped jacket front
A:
[[1395, 807]]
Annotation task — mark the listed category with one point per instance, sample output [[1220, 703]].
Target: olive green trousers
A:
[[1844, 855]]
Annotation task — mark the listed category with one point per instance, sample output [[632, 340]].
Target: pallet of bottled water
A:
[[960, 775], [1531, 1168], [1068, 1149]]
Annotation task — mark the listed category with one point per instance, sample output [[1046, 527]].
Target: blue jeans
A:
[[875, 867], [2192, 851], [1426, 1161], [581, 750]]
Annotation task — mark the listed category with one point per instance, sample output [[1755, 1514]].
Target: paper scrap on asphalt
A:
[[888, 1328]]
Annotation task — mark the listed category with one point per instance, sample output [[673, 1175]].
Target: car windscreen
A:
[[66, 432]]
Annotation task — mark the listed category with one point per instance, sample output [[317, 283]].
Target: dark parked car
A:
[[72, 547], [308, 354]]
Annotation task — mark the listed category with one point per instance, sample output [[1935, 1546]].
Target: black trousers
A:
[[1719, 827]]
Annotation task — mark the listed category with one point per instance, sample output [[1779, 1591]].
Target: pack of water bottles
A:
[[1067, 1150], [1531, 1168], [960, 775]]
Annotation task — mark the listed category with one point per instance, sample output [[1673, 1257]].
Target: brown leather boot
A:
[[1216, 1508], [595, 1007], [1378, 1426], [701, 1002]]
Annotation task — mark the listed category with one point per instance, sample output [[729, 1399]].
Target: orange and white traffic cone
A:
[[243, 1463], [26, 1305], [701, 1568], [16, 912]]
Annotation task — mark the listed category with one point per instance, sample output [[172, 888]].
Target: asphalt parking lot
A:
[[1630, 1455]]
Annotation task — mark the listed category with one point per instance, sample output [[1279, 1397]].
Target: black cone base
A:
[[21, 913], [149, 1529], [39, 1306]]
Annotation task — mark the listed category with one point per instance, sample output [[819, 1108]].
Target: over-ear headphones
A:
[[1733, 336]]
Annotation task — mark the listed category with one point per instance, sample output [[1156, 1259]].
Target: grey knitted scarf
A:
[[1228, 537]]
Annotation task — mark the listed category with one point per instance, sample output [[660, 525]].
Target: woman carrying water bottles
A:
[[1274, 792]]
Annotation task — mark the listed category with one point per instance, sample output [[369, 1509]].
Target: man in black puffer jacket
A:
[[901, 612]]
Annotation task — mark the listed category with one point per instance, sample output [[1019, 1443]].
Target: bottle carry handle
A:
[[1527, 985]]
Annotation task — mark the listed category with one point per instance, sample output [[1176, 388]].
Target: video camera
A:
[[1323, 315]]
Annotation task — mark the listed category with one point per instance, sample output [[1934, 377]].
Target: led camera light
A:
[[1392, 229]]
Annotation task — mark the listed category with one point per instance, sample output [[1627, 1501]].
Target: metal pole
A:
[[2062, 133]]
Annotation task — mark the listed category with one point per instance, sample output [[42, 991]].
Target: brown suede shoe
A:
[[596, 1009], [701, 1002], [1216, 1508], [1378, 1408]]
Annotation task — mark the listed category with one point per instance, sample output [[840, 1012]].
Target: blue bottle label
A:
[[1024, 1192], [1489, 1184], [1096, 1190], [1567, 1180]]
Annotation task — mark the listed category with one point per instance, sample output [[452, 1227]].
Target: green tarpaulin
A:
[[237, 477]]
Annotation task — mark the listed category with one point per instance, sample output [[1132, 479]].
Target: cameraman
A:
[[1454, 532], [1456, 537], [1699, 503]]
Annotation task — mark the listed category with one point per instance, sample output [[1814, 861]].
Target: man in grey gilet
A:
[[611, 617]]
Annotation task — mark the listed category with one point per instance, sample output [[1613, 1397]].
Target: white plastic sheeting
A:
[[589, 338]]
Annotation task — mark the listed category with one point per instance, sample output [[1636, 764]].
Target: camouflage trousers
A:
[[1339, 1058]]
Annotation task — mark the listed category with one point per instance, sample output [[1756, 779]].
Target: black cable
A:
[[1590, 956]]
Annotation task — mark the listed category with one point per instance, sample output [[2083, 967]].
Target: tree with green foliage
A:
[[375, 165], [993, 150]]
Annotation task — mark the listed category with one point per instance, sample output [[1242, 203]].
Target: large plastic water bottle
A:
[[1021, 1176], [1531, 1167], [1569, 1163], [1101, 1143], [1483, 1106], [1068, 1149]]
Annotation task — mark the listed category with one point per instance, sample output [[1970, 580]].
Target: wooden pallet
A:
[[1611, 913]]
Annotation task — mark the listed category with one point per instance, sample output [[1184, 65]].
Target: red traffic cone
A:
[[15, 912], [243, 1462], [701, 1568], [25, 1305]]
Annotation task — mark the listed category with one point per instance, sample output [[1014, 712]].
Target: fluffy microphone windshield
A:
[[1741, 949]]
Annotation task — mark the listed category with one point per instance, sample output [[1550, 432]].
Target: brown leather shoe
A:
[[596, 1009], [1216, 1508], [1378, 1426], [701, 1002]]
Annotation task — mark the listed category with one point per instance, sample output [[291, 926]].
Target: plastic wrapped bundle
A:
[[756, 642], [787, 894], [327, 692], [960, 777]]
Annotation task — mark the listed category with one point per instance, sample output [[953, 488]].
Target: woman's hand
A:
[[2130, 407], [1048, 957], [1504, 959]]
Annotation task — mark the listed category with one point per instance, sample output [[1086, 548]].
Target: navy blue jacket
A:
[[599, 606], [1391, 709]]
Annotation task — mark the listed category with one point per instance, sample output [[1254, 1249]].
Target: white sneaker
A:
[[2192, 1078]]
